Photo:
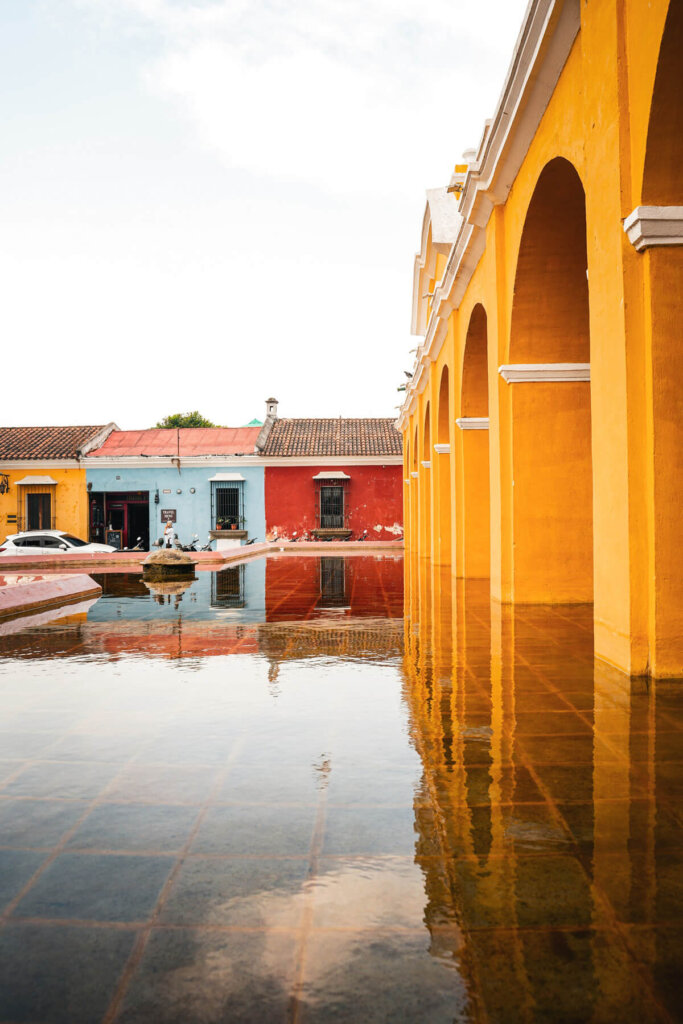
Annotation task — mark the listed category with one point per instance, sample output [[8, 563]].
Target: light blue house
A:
[[203, 481]]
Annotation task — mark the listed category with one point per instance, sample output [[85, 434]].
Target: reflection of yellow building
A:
[[545, 793], [42, 478], [543, 422]]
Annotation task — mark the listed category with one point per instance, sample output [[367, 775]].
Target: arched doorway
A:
[[442, 470], [475, 559], [552, 489], [663, 187]]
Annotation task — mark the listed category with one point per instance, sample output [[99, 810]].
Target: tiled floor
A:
[[320, 829]]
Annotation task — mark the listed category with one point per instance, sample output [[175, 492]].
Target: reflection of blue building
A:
[[202, 480], [236, 594]]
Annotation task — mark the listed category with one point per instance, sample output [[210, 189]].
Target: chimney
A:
[[271, 416]]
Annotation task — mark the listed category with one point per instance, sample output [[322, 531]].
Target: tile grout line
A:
[[293, 1015], [140, 944]]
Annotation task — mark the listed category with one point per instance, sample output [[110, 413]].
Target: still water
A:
[[288, 793]]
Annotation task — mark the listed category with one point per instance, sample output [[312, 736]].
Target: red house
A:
[[332, 478]]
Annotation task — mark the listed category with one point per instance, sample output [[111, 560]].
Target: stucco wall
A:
[[71, 507], [374, 496], [193, 511]]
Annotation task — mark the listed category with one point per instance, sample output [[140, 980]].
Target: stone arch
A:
[[552, 490], [473, 451], [663, 186]]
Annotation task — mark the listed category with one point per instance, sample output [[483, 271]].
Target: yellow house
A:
[[542, 424], [42, 477]]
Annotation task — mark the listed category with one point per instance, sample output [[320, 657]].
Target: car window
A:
[[28, 542], [74, 542], [51, 542]]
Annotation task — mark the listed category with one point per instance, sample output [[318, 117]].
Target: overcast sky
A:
[[206, 202]]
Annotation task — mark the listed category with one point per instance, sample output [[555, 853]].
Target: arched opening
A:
[[663, 186], [552, 488], [414, 493], [474, 450], [425, 486], [442, 469]]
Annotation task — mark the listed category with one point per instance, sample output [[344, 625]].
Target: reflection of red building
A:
[[357, 587], [327, 478]]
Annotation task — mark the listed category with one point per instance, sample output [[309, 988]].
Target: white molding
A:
[[210, 461], [473, 422], [426, 465], [650, 226], [541, 51], [414, 475], [407, 482], [12, 465], [442, 449], [540, 373]]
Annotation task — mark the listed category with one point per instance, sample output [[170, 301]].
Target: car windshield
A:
[[73, 541]]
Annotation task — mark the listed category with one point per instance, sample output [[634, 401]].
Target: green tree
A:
[[185, 419]]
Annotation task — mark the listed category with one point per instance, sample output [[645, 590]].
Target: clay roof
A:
[[333, 437], [186, 441], [44, 442]]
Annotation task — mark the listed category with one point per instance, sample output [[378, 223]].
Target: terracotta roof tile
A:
[[188, 441], [333, 437], [44, 442]]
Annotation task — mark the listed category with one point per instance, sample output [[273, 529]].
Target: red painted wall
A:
[[374, 499], [373, 587]]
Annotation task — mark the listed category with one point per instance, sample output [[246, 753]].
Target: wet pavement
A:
[[271, 797]]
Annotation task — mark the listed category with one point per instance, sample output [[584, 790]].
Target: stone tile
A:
[[367, 831], [89, 887], [211, 978], [59, 974], [134, 827], [256, 782], [259, 893], [163, 784], [24, 745], [96, 747], [65, 781], [377, 977], [16, 868], [245, 830], [370, 892], [38, 823]]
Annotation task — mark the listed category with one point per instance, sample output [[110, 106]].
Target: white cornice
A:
[[649, 226], [529, 373], [542, 48], [414, 475], [442, 449], [473, 422], [426, 465], [9, 465], [213, 461]]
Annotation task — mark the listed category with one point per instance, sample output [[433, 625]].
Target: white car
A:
[[47, 542]]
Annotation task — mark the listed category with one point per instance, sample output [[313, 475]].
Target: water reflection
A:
[[554, 786]]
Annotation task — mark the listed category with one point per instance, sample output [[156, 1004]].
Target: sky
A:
[[204, 203]]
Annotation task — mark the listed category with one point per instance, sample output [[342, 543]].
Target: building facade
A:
[[206, 481], [542, 424], [43, 477], [332, 479]]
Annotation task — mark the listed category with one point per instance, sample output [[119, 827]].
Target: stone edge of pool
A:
[[131, 560], [24, 596]]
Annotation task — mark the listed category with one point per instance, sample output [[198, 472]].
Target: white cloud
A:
[[360, 95]]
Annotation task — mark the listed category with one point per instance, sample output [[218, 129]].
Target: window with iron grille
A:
[[227, 587], [331, 507], [227, 504], [333, 583]]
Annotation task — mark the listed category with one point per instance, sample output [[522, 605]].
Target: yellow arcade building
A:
[[542, 423], [42, 477]]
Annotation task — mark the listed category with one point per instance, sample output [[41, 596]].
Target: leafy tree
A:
[[185, 419]]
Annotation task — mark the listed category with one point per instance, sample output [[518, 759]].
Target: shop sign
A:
[[168, 515]]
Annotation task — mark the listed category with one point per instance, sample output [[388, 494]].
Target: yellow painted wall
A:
[[71, 498], [600, 462]]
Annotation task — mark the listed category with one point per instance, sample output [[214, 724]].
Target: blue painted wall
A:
[[193, 511]]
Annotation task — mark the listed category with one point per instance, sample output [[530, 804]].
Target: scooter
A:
[[136, 547], [207, 546]]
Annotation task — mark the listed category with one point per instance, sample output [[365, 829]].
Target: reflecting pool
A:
[[286, 793]]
